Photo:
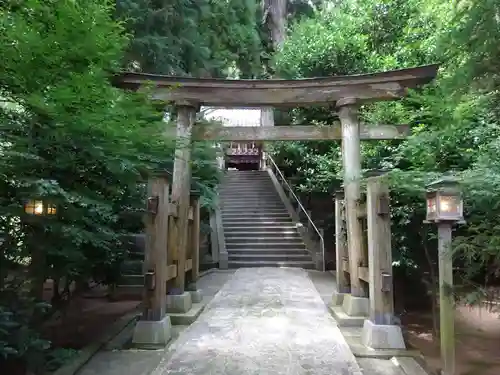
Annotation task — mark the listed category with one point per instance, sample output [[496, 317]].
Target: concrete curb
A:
[[90, 350]]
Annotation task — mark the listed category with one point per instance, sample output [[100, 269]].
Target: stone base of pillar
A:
[[196, 295], [356, 306], [381, 336], [179, 303], [352, 312], [152, 333], [338, 298]]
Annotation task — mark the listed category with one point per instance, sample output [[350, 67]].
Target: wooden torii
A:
[[347, 92]]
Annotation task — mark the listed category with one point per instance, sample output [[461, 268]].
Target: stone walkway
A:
[[263, 321]]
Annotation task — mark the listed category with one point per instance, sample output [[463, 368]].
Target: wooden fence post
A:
[[155, 257], [380, 332], [154, 327], [195, 235], [379, 251], [340, 244], [181, 186]]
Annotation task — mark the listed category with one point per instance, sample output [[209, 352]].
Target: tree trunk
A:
[[275, 18]]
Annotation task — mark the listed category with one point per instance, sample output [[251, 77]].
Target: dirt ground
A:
[[86, 319], [477, 340]]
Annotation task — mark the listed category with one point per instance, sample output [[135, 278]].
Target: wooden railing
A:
[[375, 268], [180, 265]]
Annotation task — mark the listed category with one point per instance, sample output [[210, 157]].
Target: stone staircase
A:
[[131, 282], [258, 229]]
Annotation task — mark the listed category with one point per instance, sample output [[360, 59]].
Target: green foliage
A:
[[71, 139], [454, 122], [207, 37]]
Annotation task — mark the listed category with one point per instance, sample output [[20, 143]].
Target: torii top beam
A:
[[276, 92]]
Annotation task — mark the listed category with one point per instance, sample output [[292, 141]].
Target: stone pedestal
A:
[[338, 298], [223, 260], [356, 306], [196, 296], [179, 303], [152, 332], [381, 336]]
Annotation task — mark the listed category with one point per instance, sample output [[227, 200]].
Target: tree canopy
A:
[[70, 138]]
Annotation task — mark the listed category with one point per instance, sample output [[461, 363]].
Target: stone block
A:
[[338, 298], [196, 296], [152, 332], [179, 303], [223, 261], [187, 318], [382, 336], [356, 306], [344, 320]]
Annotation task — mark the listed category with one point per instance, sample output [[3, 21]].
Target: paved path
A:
[[265, 321]]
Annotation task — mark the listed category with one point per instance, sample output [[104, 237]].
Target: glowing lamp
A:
[[444, 201], [39, 208]]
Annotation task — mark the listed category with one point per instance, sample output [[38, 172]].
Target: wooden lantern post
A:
[[445, 208]]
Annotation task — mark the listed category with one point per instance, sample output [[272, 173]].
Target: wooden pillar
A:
[[379, 251], [340, 244], [181, 186], [195, 237], [348, 115], [446, 299], [155, 256]]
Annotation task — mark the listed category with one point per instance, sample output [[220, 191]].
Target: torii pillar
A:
[[356, 303]]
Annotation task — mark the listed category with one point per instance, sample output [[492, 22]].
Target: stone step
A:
[[264, 245], [250, 186], [256, 213], [258, 227], [249, 178], [269, 257], [131, 280], [344, 320], [269, 191], [265, 263], [256, 200], [252, 221], [252, 239], [132, 267], [262, 200], [231, 233], [255, 193], [251, 182], [255, 207], [247, 199], [264, 251]]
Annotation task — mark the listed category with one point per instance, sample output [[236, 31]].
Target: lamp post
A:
[[445, 208], [38, 207]]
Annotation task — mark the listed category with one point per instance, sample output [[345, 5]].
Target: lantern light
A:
[[444, 201], [39, 207]]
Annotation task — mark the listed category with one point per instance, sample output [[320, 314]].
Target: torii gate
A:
[[347, 92]]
